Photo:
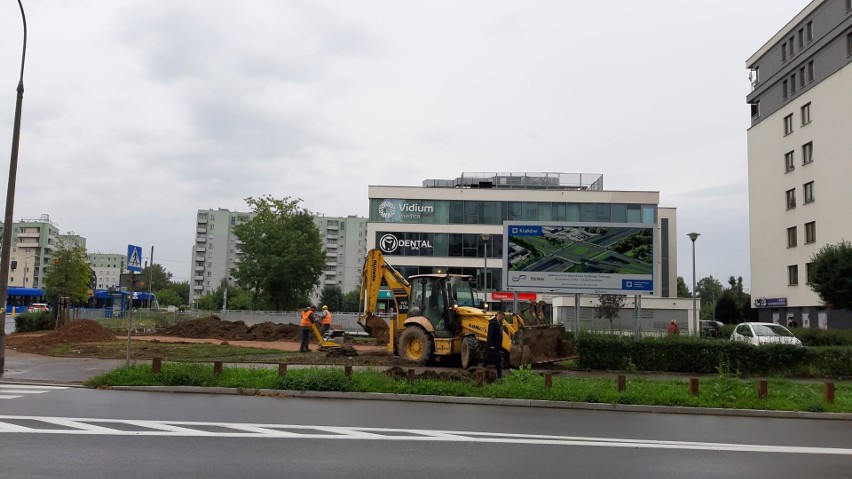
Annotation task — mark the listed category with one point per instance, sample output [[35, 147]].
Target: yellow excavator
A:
[[438, 315]]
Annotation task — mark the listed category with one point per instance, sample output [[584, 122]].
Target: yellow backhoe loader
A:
[[438, 315]]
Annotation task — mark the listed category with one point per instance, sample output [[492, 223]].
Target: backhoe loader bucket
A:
[[377, 328], [539, 344]]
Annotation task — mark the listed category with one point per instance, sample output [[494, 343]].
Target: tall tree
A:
[[160, 278], [831, 275], [332, 296], [609, 306], [182, 290], [351, 301], [709, 289], [728, 310], [682, 288], [283, 254], [68, 276]]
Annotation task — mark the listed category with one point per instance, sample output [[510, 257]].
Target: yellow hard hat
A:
[[324, 307]]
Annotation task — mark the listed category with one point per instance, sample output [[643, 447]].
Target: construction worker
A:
[[306, 323], [326, 320]]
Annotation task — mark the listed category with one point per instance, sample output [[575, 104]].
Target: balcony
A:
[[29, 234], [202, 220], [200, 239], [331, 236], [198, 278], [198, 287], [332, 227], [199, 258], [199, 268], [201, 229], [200, 249], [330, 282], [331, 245]]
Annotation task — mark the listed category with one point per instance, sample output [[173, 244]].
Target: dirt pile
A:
[[78, 331], [215, 327]]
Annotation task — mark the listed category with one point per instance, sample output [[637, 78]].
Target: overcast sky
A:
[[137, 114]]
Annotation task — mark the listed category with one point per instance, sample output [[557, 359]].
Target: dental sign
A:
[[404, 210], [406, 244]]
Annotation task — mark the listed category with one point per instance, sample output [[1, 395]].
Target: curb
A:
[[536, 403]]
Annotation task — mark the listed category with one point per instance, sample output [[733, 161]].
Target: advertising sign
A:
[[509, 296], [396, 210], [405, 244], [590, 258]]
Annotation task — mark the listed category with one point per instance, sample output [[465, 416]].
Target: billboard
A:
[[589, 258]]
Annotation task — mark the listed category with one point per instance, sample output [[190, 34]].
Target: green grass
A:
[[718, 392]]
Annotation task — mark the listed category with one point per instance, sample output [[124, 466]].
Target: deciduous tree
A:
[[67, 276], [831, 274], [609, 306], [283, 255]]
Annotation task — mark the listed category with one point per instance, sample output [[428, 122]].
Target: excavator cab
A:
[[429, 299]]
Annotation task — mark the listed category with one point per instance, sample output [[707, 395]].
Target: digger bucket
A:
[[539, 344], [376, 327]]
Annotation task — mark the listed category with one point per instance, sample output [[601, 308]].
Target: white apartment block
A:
[[799, 152], [217, 250], [345, 239], [108, 268]]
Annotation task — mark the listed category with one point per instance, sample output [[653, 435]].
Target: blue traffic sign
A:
[[134, 258]]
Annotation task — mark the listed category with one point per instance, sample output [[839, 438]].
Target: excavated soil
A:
[[214, 327], [77, 331]]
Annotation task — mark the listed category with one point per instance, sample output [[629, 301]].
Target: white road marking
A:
[[94, 426], [14, 391]]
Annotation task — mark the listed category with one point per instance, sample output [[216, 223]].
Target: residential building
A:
[[108, 268], [798, 160], [345, 240], [33, 243], [217, 250], [456, 225]]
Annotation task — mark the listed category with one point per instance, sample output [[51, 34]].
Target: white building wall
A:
[[831, 169]]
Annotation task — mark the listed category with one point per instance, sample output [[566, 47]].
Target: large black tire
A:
[[415, 345], [469, 352]]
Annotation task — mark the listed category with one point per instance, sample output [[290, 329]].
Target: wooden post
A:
[[410, 376], [347, 369], [282, 369], [693, 386], [828, 391], [217, 368], [762, 389], [156, 364], [548, 380], [480, 378], [621, 383]]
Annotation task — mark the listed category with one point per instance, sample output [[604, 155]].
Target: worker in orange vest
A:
[[306, 323], [326, 320]]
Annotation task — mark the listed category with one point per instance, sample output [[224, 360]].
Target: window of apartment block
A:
[[791, 199], [801, 78], [810, 71], [784, 52], [806, 114], [789, 161], [801, 38], [809, 31], [808, 192], [809, 267], [788, 120], [807, 152], [849, 44], [810, 232], [793, 274], [848, 4], [785, 88], [791, 237], [792, 83], [755, 109]]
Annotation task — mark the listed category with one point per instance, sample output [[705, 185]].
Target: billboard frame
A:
[[577, 282]]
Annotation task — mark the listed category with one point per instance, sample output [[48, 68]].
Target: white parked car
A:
[[764, 333]]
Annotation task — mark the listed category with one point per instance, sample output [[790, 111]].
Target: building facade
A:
[[217, 252], [108, 268], [345, 240], [798, 159], [33, 243], [456, 226]]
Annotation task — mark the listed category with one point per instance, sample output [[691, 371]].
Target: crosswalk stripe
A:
[[15, 391], [5, 396], [30, 386]]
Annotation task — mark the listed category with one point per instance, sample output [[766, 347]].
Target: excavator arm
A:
[[378, 272]]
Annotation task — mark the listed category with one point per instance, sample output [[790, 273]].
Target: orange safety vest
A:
[[306, 319], [327, 318]]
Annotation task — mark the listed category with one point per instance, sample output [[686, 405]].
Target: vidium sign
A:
[[399, 210]]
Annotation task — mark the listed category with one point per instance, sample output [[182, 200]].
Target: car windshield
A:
[[771, 330], [462, 292]]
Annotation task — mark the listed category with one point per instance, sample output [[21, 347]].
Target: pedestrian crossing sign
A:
[[134, 258]]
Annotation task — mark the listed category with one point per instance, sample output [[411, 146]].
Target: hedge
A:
[[703, 356], [33, 321]]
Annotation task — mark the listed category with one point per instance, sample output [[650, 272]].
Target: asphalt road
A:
[[92, 434]]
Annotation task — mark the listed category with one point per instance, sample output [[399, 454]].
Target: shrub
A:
[[315, 379], [824, 337], [33, 321]]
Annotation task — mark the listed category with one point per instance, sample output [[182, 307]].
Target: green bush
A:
[[33, 321], [315, 379], [824, 337], [693, 355]]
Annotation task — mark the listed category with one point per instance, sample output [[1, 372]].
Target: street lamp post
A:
[[485, 237], [6, 245], [694, 236]]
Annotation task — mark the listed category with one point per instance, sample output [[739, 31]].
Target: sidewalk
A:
[[36, 368]]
